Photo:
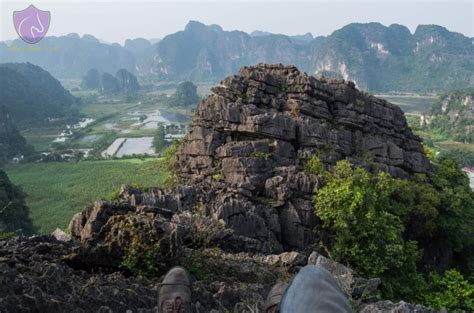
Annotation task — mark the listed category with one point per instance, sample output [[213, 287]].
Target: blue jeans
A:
[[314, 290]]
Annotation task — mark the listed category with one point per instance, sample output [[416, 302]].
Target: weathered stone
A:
[[290, 259], [60, 235], [400, 307], [255, 132]]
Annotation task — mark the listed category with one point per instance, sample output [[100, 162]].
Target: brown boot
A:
[[274, 297], [175, 292]]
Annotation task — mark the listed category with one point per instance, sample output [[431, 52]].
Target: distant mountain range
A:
[[375, 57]]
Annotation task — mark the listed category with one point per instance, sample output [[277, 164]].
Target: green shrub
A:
[[170, 163], [377, 222], [429, 152], [159, 142], [145, 255], [456, 208], [313, 166], [355, 206], [141, 258], [450, 291]]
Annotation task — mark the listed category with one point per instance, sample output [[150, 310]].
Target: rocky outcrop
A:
[[43, 274], [243, 160], [244, 156]]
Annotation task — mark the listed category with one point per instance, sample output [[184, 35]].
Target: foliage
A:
[[14, 214], [12, 143], [314, 166], [170, 163], [143, 255], [261, 155], [450, 115], [450, 291], [355, 206], [456, 209], [196, 264], [429, 152], [56, 191], [378, 223], [159, 141]]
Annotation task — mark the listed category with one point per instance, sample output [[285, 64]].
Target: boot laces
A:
[[177, 305]]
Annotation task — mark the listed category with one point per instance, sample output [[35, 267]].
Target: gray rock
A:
[[400, 307], [255, 132], [60, 235]]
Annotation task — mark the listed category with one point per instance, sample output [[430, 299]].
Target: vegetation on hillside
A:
[[159, 142], [387, 227], [12, 143], [453, 115], [14, 214], [32, 95]]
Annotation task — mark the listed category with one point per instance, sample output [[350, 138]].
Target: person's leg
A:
[[314, 290]]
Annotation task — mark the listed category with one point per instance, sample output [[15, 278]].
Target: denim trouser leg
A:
[[314, 290]]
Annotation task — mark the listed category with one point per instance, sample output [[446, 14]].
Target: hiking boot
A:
[[175, 292], [272, 302]]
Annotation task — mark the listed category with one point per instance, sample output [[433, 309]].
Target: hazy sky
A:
[[114, 21]]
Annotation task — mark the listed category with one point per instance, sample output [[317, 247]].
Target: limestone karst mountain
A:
[[240, 216], [376, 57]]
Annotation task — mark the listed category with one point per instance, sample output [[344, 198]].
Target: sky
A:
[[115, 21]]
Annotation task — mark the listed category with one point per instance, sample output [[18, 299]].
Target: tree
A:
[[355, 206], [450, 291], [381, 225], [159, 141]]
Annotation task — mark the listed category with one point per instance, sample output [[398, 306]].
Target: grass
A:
[[56, 191]]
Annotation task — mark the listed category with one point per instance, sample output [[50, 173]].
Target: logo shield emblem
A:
[[31, 24]]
